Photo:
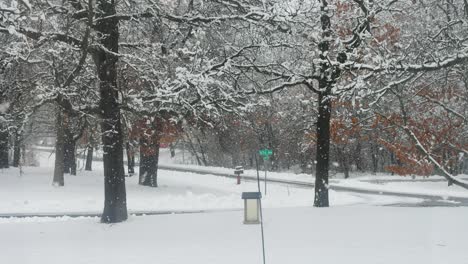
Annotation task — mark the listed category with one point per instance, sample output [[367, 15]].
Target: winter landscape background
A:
[[122, 123]]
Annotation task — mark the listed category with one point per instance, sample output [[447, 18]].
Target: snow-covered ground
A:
[[346, 234], [353, 230], [32, 192]]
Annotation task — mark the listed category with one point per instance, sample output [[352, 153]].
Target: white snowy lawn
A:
[[345, 234], [351, 231], [32, 192]]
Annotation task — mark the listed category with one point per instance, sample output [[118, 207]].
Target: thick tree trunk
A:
[[323, 151], [329, 75], [115, 201], [89, 158], [59, 150], [17, 150], [4, 163]]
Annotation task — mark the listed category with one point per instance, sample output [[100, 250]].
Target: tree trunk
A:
[[172, 149], [193, 151], [130, 159], [59, 150], [72, 158], [143, 162], [149, 158], [4, 163], [89, 158], [17, 150], [115, 201], [357, 156], [323, 150], [202, 151], [66, 143], [375, 158], [329, 75], [151, 176], [69, 161], [344, 164]]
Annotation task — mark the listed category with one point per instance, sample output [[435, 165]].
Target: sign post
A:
[[265, 153]]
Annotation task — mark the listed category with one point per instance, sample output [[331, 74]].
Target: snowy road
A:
[[429, 199]]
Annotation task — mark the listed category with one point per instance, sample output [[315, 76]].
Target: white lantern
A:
[[251, 207]]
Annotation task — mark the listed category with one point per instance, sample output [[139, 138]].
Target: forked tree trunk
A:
[[58, 179], [115, 201]]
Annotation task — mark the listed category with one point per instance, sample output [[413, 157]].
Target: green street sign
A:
[[265, 153]]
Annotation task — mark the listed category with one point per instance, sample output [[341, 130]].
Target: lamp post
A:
[[251, 207]]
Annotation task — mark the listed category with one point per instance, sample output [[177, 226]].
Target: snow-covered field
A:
[[346, 234], [355, 229], [433, 185], [32, 192]]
